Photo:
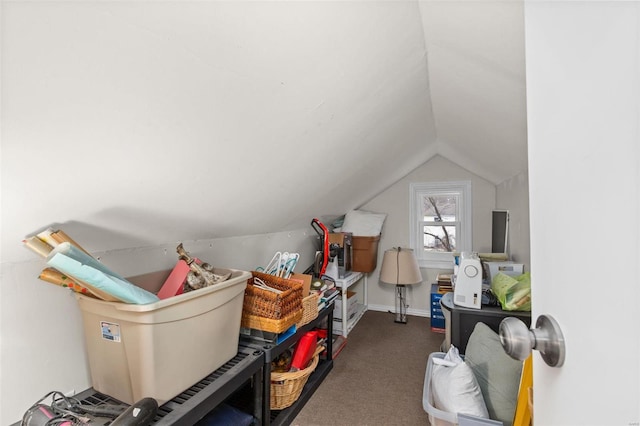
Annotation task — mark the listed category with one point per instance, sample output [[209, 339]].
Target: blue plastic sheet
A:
[[77, 264]]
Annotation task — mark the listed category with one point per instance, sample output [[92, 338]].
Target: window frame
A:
[[464, 241]]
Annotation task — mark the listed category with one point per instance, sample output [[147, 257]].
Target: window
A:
[[440, 221]]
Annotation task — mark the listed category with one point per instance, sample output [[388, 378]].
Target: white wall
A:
[[583, 77], [513, 195], [395, 202], [477, 80], [146, 122]]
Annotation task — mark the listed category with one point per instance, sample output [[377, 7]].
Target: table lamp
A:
[[400, 267]]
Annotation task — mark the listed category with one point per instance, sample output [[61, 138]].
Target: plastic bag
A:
[[455, 387], [514, 293]]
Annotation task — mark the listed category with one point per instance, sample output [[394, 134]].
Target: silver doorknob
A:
[[518, 341]]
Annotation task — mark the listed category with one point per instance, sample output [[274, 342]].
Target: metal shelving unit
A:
[[201, 398], [247, 372], [271, 351]]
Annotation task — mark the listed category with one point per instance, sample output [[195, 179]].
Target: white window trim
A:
[[440, 260]]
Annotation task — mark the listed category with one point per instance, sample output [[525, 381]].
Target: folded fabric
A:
[[77, 264]]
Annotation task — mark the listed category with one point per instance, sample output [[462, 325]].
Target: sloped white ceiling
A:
[[475, 52], [141, 123]]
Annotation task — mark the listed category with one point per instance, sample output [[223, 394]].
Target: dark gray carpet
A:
[[377, 378]]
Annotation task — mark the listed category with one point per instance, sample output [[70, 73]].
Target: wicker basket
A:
[[268, 324], [269, 311], [309, 309], [287, 387]]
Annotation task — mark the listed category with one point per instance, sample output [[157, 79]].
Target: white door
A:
[[583, 92]]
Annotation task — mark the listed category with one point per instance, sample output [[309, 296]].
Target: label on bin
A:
[[110, 331]]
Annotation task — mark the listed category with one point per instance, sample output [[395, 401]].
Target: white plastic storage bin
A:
[[160, 349], [352, 305], [445, 418]]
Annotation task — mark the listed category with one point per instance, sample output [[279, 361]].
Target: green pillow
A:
[[498, 374]]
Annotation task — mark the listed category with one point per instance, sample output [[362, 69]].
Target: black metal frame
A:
[[201, 398], [286, 416]]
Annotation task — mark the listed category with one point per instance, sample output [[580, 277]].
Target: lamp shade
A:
[[400, 266]]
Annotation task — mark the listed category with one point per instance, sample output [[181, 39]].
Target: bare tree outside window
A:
[[439, 227], [440, 221]]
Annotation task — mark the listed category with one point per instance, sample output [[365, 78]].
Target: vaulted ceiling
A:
[[476, 68], [155, 122]]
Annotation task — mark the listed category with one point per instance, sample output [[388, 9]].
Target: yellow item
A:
[[524, 413]]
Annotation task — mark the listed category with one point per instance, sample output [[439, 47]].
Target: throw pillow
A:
[[498, 374], [363, 224]]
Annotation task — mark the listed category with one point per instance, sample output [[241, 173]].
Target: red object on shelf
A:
[[174, 282], [304, 351]]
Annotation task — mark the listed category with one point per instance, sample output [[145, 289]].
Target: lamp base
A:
[[401, 305]]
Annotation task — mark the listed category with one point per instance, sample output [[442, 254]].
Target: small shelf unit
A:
[[344, 284]]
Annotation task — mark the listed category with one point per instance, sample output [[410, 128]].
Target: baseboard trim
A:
[[385, 308]]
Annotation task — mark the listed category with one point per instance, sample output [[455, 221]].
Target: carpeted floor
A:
[[377, 378]]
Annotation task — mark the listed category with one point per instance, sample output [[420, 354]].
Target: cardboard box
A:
[[160, 349], [365, 253], [352, 305], [305, 280]]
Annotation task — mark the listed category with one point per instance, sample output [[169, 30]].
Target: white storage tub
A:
[[160, 349], [445, 418]]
